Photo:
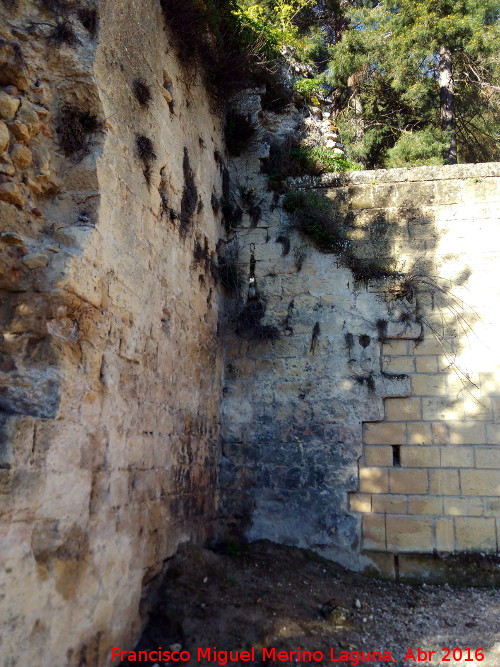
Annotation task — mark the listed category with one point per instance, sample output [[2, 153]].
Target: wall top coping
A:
[[400, 175]]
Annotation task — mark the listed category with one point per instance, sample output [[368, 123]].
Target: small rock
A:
[[8, 106], [42, 159], [11, 90], [45, 130], [21, 156], [35, 187], [357, 604], [20, 131], [6, 165], [4, 136], [175, 647], [37, 212], [11, 193], [27, 114], [36, 261], [168, 97], [42, 112], [11, 238]]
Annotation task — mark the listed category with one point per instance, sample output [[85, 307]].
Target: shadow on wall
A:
[[294, 406]]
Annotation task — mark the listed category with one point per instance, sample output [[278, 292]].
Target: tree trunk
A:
[[447, 97]]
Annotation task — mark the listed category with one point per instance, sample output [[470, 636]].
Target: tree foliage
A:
[[386, 68]]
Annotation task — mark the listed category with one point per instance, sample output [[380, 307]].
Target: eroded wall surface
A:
[[369, 429], [110, 372]]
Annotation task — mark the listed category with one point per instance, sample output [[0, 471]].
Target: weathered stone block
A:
[[373, 480], [420, 457], [458, 457], [467, 433], [445, 535], [399, 364], [429, 385], [8, 106], [402, 409], [389, 504], [373, 532], [480, 482], [444, 482], [407, 534], [360, 502], [427, 364], [487, 457], [384, 433], [463, 506], [378, 455], [408, 481], [4, 136], [425, 505], [476, 533], [419, 434]]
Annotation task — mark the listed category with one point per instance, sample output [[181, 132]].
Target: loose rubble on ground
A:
[[266, 595]]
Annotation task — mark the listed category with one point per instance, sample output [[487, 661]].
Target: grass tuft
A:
[[63, 33], [142, 92], [73, 129]]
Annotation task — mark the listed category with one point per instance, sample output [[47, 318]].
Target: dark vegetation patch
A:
[[289, 159], [382, 330], [145, 148], [285, 244], [142, 92], [73, 129], [367, 380], [287, 322], [314, 337], [63, 33], [248, 323], [253, 208], [232, 214], [238, 132], [228, 49], [202, 255], [349, 341], [299, 255], [324, 222], [364, 340], [394, 376], [228, 271], [56, 6], [189, 199], [146, 153], [214, 202], [89, 18]]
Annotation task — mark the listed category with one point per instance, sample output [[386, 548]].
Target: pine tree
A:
[[417, 78]]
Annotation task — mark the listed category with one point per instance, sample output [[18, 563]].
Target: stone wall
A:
[[369, 429], [110, 367]]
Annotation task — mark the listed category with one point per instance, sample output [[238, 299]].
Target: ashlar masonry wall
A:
[[430, 471], [369, 430]]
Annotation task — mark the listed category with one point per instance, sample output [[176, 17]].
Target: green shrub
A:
[[290, 160], [310, 89], [327, 226], [417, 148]]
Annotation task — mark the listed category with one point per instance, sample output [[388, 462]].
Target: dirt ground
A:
[[266, 595]]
